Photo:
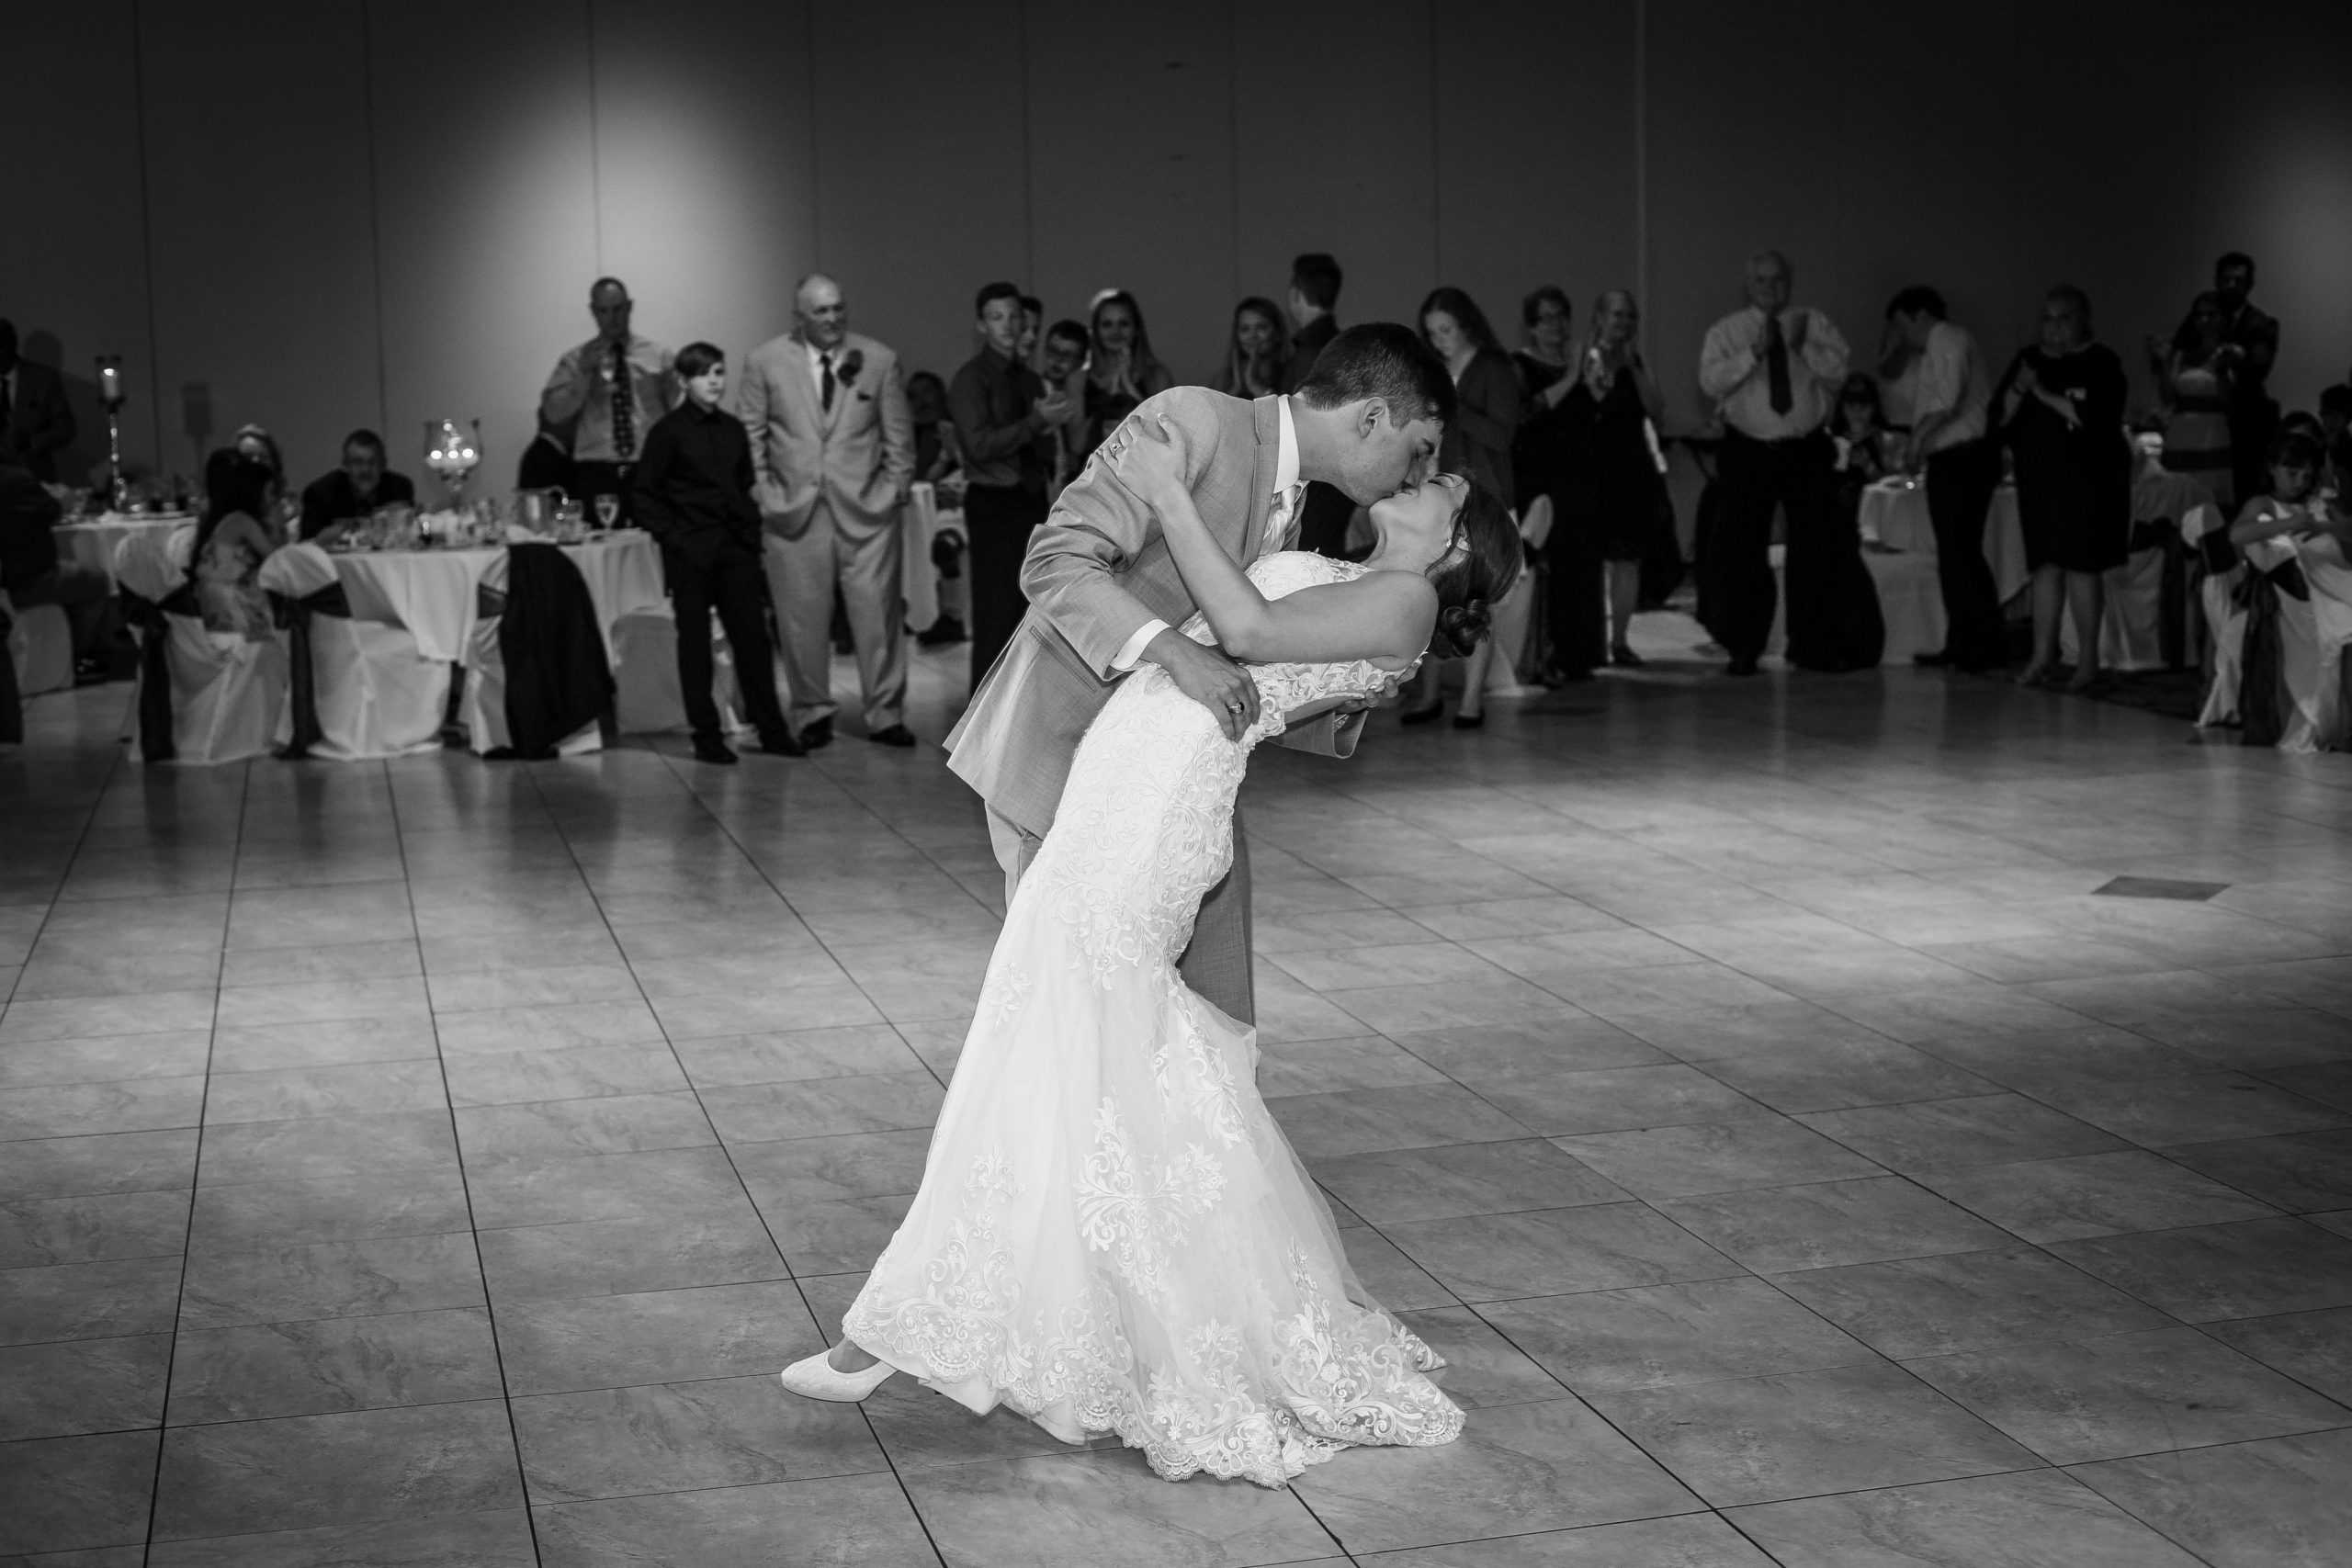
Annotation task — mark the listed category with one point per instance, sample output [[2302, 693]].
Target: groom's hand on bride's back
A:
[[1209, 678]]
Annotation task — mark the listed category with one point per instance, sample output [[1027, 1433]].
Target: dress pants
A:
[[1217, 962], [1832, 615], [1961, 482], [729, 584], [802, 573], [998, 521]]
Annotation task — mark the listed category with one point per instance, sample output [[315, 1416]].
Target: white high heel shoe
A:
[[815, 1378]]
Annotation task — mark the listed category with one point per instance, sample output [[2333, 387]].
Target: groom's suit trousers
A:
[[1216, 964]]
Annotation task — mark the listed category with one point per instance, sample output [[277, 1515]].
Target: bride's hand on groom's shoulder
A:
[[1145, 458]]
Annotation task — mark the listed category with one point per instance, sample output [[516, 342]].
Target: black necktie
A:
[[1776, 365], [624, 406], [825, 382]]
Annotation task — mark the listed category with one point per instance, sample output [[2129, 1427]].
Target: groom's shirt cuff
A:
[[1136, 644]]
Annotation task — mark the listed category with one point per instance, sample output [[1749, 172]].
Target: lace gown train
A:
[[1113, 1235]]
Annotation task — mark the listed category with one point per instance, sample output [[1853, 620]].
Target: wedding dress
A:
[[1113, 1235]]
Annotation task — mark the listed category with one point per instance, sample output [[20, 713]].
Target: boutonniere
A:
[[851, 363]]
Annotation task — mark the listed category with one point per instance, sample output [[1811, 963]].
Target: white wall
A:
[[327, 213]]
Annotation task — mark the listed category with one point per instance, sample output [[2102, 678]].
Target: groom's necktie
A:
[[1279, 519]]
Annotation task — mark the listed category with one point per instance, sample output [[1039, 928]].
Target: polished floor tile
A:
[[1738, 1085]]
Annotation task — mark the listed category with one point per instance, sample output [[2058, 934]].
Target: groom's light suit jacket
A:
[[1097, 572]]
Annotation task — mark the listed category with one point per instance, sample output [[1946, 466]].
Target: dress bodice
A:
[[1285, 688]]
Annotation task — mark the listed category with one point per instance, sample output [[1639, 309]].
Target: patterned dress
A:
[[1113, 1235]]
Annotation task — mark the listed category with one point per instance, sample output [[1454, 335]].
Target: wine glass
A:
[[608, 512]]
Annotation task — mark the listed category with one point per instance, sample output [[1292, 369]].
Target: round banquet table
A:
[[431, 592], [1895, 513], [1903, 564], [92, 544]]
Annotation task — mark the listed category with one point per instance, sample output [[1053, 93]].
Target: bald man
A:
[[833, 453], [606, 394]]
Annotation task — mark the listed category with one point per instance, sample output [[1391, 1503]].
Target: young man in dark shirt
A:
[[1002, 411], [692, 487]]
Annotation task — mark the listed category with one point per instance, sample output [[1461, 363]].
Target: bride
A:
[[1113, 1235]]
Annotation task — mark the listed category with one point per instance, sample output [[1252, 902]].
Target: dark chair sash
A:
[[295, 615], [155, 739]]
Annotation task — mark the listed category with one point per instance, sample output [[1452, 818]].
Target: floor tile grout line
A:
[[465, 1184], [195, 1167], [728, 1153]]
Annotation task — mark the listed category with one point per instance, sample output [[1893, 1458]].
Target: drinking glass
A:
[[608, 512]]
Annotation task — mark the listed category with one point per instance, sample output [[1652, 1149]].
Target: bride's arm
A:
[[1384, 615]]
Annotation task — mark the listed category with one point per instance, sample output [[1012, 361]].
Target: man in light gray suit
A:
[[832, 450], [1104, 594]]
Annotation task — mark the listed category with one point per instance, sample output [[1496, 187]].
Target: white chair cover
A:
[[1910, 600], [2330, 727], [377, 694], [918, 579], [152, 563], [298, 570], [2225, 621], [228, 693], [40, 643], [483, 707], [645, 670], [2129, 628]]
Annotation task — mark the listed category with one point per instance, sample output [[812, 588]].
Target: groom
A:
[[1105, 597]]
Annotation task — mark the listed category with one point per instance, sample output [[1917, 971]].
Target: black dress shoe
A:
[[781, 744], [941, 632], [1423, 716], [1740, 667], [710, 748], [1470, 721], [891, 735], [1933, 661], [1624, 658], [817, 732]]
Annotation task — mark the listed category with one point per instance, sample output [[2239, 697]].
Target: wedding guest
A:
[[1121, 369], [692, 491], [2195, 373], [546, 463], [2335, 434], [1033, 322], [2059, 407], [32, 572], [1064, 371], [233, 537], [1315, 281], [938, 464], [1772, 371], [1002, 411], [2298, 598], [934, 435], [1951, 400], [1314, 302], [362, 484], [254, 442], [1615, 493], [1545, 459], [2250, 338], [606, 393], [35, 422], [1256, 357], [833, 453], [1478, 443]]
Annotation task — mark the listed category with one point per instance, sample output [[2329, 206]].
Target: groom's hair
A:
[[1384, 360]]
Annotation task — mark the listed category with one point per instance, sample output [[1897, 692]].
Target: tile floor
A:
[[431, 1163]]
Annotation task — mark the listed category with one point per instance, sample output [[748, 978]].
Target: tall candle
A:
[[110, 381]]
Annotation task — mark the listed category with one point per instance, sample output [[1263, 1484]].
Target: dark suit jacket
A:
[[1305, 346], [329, 499], [40, 424]]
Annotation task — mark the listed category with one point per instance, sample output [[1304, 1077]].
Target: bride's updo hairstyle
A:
[[1468, 585]]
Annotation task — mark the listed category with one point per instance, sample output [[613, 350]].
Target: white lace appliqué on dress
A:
[[1113, 1235]]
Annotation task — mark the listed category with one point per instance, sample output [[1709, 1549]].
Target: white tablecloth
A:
[[1896, 514], [431, 592], [92, 544]]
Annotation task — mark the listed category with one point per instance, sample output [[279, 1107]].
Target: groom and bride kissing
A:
[[1112, 1233]]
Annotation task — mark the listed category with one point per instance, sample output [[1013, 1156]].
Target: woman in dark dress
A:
[[2060, 409], [1615, 492], [1478, 444], [1121, 369], [1576, 609]]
